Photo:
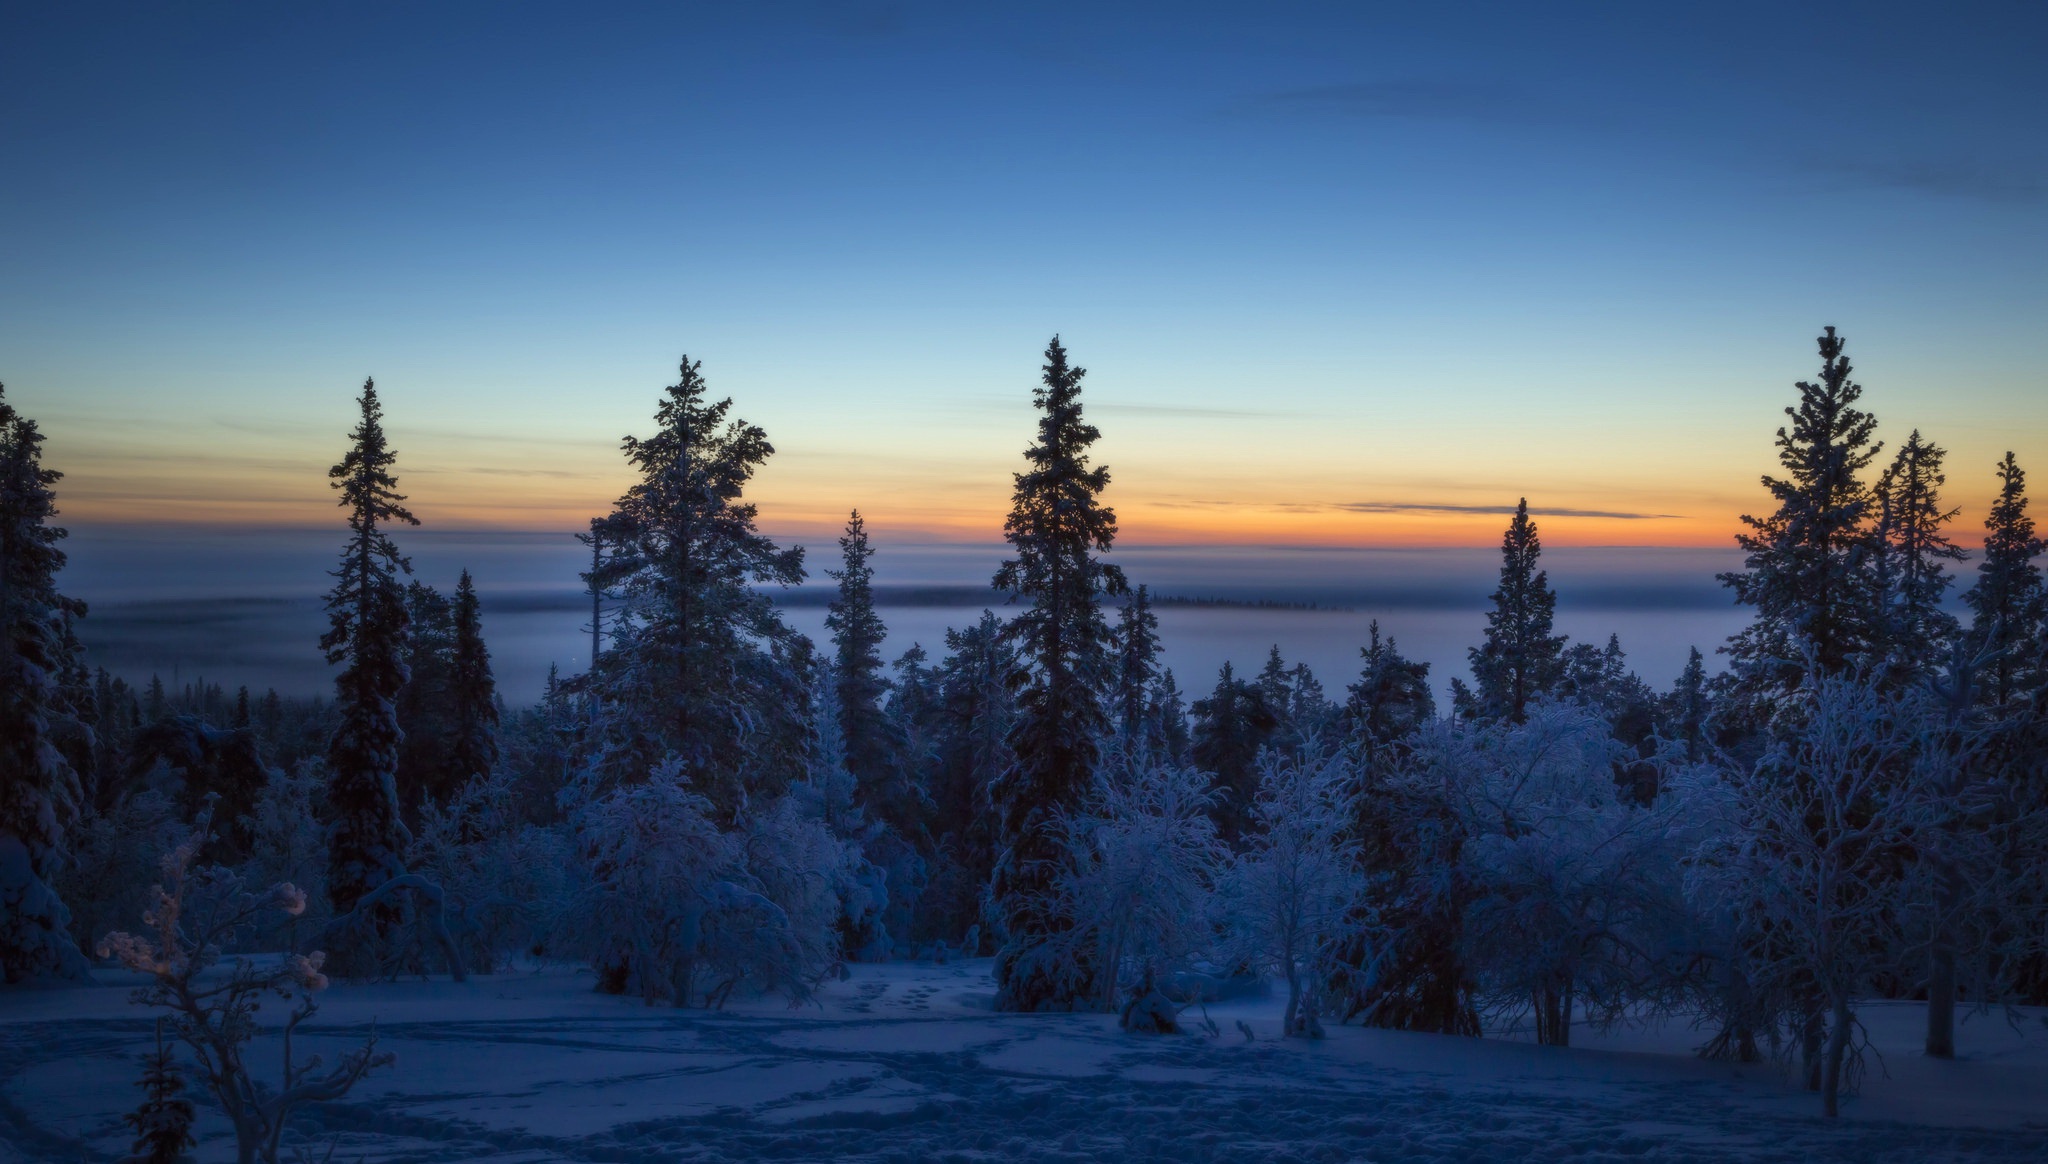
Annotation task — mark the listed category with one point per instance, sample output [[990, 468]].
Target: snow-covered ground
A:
[[908, 1063]]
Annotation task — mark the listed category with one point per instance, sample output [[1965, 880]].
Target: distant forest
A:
[[1855, 808]]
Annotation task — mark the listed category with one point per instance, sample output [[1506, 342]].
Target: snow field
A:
[[908, 1063]]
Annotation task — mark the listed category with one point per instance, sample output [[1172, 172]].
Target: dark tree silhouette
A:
[[1910, 629], [872, 742], [473, 751], [1392, 696], [366, 634], [2008, 601], [699, 664], [1804, 566], [1520, 660], [39, 783], [1137, 672], [1230, 728], [1057, 525]]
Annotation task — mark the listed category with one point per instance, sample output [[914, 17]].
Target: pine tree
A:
[[873, 746], [163, 1124], [2008, 601], [473, 752], [367, 623], [1804, 563], [699, 664], [1520, 660], [1057, 524], [1137, 670], [1169, 711], [1910, 628], [39, 786]]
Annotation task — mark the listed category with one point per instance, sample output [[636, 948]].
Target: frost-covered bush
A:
[[1817, 845], [1576, 890], [114, 854], [673, 908], [196, 915], [1296, 887], [1143, 862], [288, 842], [497, 871]]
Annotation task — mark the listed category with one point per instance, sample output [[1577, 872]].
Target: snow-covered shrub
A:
[[114, 854], [1819, 844], [1285, 899], [675, 909], [288, 842], [195, 915], [496, 870], [1577, 894], [1143, 862]]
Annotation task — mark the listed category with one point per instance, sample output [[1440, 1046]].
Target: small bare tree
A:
[[196, 915]]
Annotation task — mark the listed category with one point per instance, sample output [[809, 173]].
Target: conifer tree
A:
[[473, 752], [1169, 711], [1391, 698], [426, 704], [367, 623], [699, 664], [1910, 628], [1137, 670], [163, 1123], [39, 786], [873, 746], [1230, 728], [2008, 602], [1520, 660], [1803, 569], [1687, 707], [971, 711], [1057, 525]]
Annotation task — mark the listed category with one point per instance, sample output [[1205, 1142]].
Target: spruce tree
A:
[[39, 785], [1057, 525], [473, 752], [1230, 728], [1804, 563], [2008, 602], [1687, 707], [367, 623], [163, 1123], [1910, 628], [699, 664], [969, 712], [1520, 661], [1137, 670], [426, 704], [873, 748], [1391, 698]]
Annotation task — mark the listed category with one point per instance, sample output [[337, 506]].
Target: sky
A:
[[1344, 275]]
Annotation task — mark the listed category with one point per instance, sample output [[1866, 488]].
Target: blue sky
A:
[[1344, 274]]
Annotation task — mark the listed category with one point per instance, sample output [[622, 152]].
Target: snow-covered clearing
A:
[[908, 1063]]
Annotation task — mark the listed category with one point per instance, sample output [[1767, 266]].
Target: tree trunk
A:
[[1838, 1047], [1811, 1035], [1941, 1000]]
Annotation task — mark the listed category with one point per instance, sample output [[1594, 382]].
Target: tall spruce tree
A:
[[1804, 569], [1909, 546], [699, 664], [426, 704], [366, 635], [39, 785], [873, 744], [1520, 660], [2007, 602], [1137, 671], [1057, 525], [473, 750]]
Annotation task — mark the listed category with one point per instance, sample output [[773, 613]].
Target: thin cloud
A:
[[1950, 178], [1443, 507], [1189, 410], [1417, 99]]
